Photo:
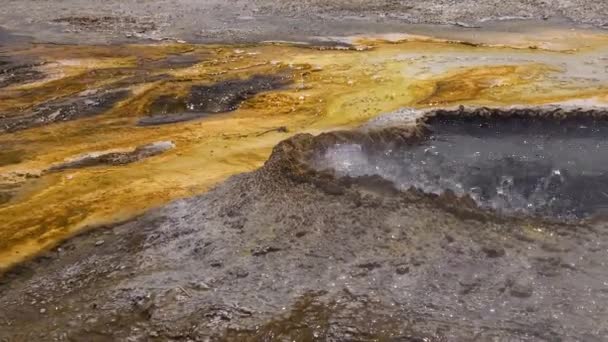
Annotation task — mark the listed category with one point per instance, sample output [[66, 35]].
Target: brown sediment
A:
[[9, 157], [6, 193]]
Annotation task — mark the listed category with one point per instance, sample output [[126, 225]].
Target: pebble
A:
[[241, 273], [493, 251], [42, 311], [402, 270], [201, 286], [99, 243], [521, 289]]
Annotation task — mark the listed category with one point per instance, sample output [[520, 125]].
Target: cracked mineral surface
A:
[[303, 171]]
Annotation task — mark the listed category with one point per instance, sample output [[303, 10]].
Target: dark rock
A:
[[521, 289], [370, 265], [62, 110], [402, 269], [239, 272], [18, 72], [469, 284], [493, 251], [114, 158], [226, 96], [206, 100], [264, 250]]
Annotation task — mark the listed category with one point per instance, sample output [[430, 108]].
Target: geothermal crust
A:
[[291, 253]]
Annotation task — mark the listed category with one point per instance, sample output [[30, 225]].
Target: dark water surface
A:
[[537, 166]]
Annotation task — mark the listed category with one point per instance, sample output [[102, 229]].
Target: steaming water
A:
[[513, 165]]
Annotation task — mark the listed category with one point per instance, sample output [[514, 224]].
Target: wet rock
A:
[[493, 251], [331, 188], [280, 129], [568, 265], [216, 264], [521, 289], [226, 96], [143, 304], [402, 269], [206, 100], [417, 261], [11, 185], [469, 284], [554, 247], [12, 73], [200, 286], [179, 61], [68, 109], [239, 272], [167, 104], [531, 308], [264, 250], [114, 158], [5, 196], [372, 265], [364, 269], [226, 313], [169, 119], [548, 266], [10, 157], [106, 23]]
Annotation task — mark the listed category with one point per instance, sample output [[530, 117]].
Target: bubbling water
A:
[[513, 165]]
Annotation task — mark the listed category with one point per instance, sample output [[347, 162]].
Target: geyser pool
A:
[[534, 165]]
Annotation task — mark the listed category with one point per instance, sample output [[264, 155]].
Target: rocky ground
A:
[[77, 21]]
